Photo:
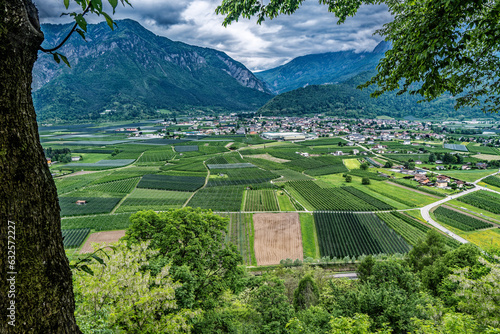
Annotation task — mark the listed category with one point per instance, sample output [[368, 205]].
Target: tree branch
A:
[[69, 35]]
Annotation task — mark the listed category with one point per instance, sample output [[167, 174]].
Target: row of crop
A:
[[261, 200], [86, 205], [98, 223], [351, 234], [152, 199], [227, 198], [484, 200], [241, 234], [492, 180], [74, 238], [411, 232], [325, 170], [121, 187], [380, 205], [335, 199], [171, 182], [459, 220]]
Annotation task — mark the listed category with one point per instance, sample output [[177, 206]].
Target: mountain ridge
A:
[[133, 71], [321, 68]]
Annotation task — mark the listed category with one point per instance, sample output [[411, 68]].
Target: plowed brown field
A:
[[277, 237], [101, 237]]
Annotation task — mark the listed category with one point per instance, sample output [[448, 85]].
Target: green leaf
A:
[[87, 270], [109, 20], [81, 33], [98, 259], [66, 3], [56, 57], [80, 20], [97, 4], [113, 4], [65, 60]]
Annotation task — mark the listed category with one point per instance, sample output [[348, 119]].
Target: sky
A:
[[312, 29]]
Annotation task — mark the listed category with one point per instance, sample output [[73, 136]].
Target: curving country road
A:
[[425, 211]]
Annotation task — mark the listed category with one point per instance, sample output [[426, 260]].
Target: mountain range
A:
[[131, 72], [323, 68]]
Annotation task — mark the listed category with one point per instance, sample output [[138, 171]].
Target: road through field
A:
[[425, 211]]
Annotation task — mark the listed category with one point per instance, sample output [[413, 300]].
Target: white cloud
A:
[[310, 30]]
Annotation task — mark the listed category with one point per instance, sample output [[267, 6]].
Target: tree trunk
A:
[[35, 279]]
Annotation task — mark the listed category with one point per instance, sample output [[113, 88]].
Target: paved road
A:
[[425, 211]]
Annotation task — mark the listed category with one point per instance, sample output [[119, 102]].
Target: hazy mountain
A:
[[133, 71], [318, 69], [345, 100]]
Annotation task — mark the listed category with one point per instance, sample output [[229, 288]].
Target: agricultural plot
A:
[[456, 147], [476, 148], [152, 199], [265, 164], [100, 238], [492, 180], [308, 235], [97, 223], [458, 220], [277, 237], [241, 234], [365, 173], [220, 199], [352, 163], [284, 202], [186, 148], [155, 156], [239, 176], [406, 157], [411, 230], [261, 200], [120, 187], [233, 165], [317, 165], [171, 182], [482, 199], [290, 175], [70, 183], [74, 238], [126, 173], [102, 164], [356, 234], [93, 205], [336, 199], [325, 170], [407, 197]]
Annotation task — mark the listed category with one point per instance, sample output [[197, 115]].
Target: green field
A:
[[284, 201], [261, 200], [352, 163], [98, 223], [408, 197], [469, 175], [309, 238], [152, 199]]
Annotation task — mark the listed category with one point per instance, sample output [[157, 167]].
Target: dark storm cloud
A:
[[312, 29]]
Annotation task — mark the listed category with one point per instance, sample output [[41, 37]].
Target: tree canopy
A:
[[438, 46]]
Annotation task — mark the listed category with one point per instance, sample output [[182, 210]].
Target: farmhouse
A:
[[441, 183]]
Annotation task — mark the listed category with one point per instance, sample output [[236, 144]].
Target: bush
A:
[[365, 181]]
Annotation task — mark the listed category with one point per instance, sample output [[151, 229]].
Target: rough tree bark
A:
[[39, 281]]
